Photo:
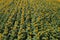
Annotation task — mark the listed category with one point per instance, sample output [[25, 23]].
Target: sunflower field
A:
[[29, 19]]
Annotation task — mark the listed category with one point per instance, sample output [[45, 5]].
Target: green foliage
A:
[[29, 20]]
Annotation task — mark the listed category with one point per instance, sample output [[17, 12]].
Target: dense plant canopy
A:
[[29, 19]]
